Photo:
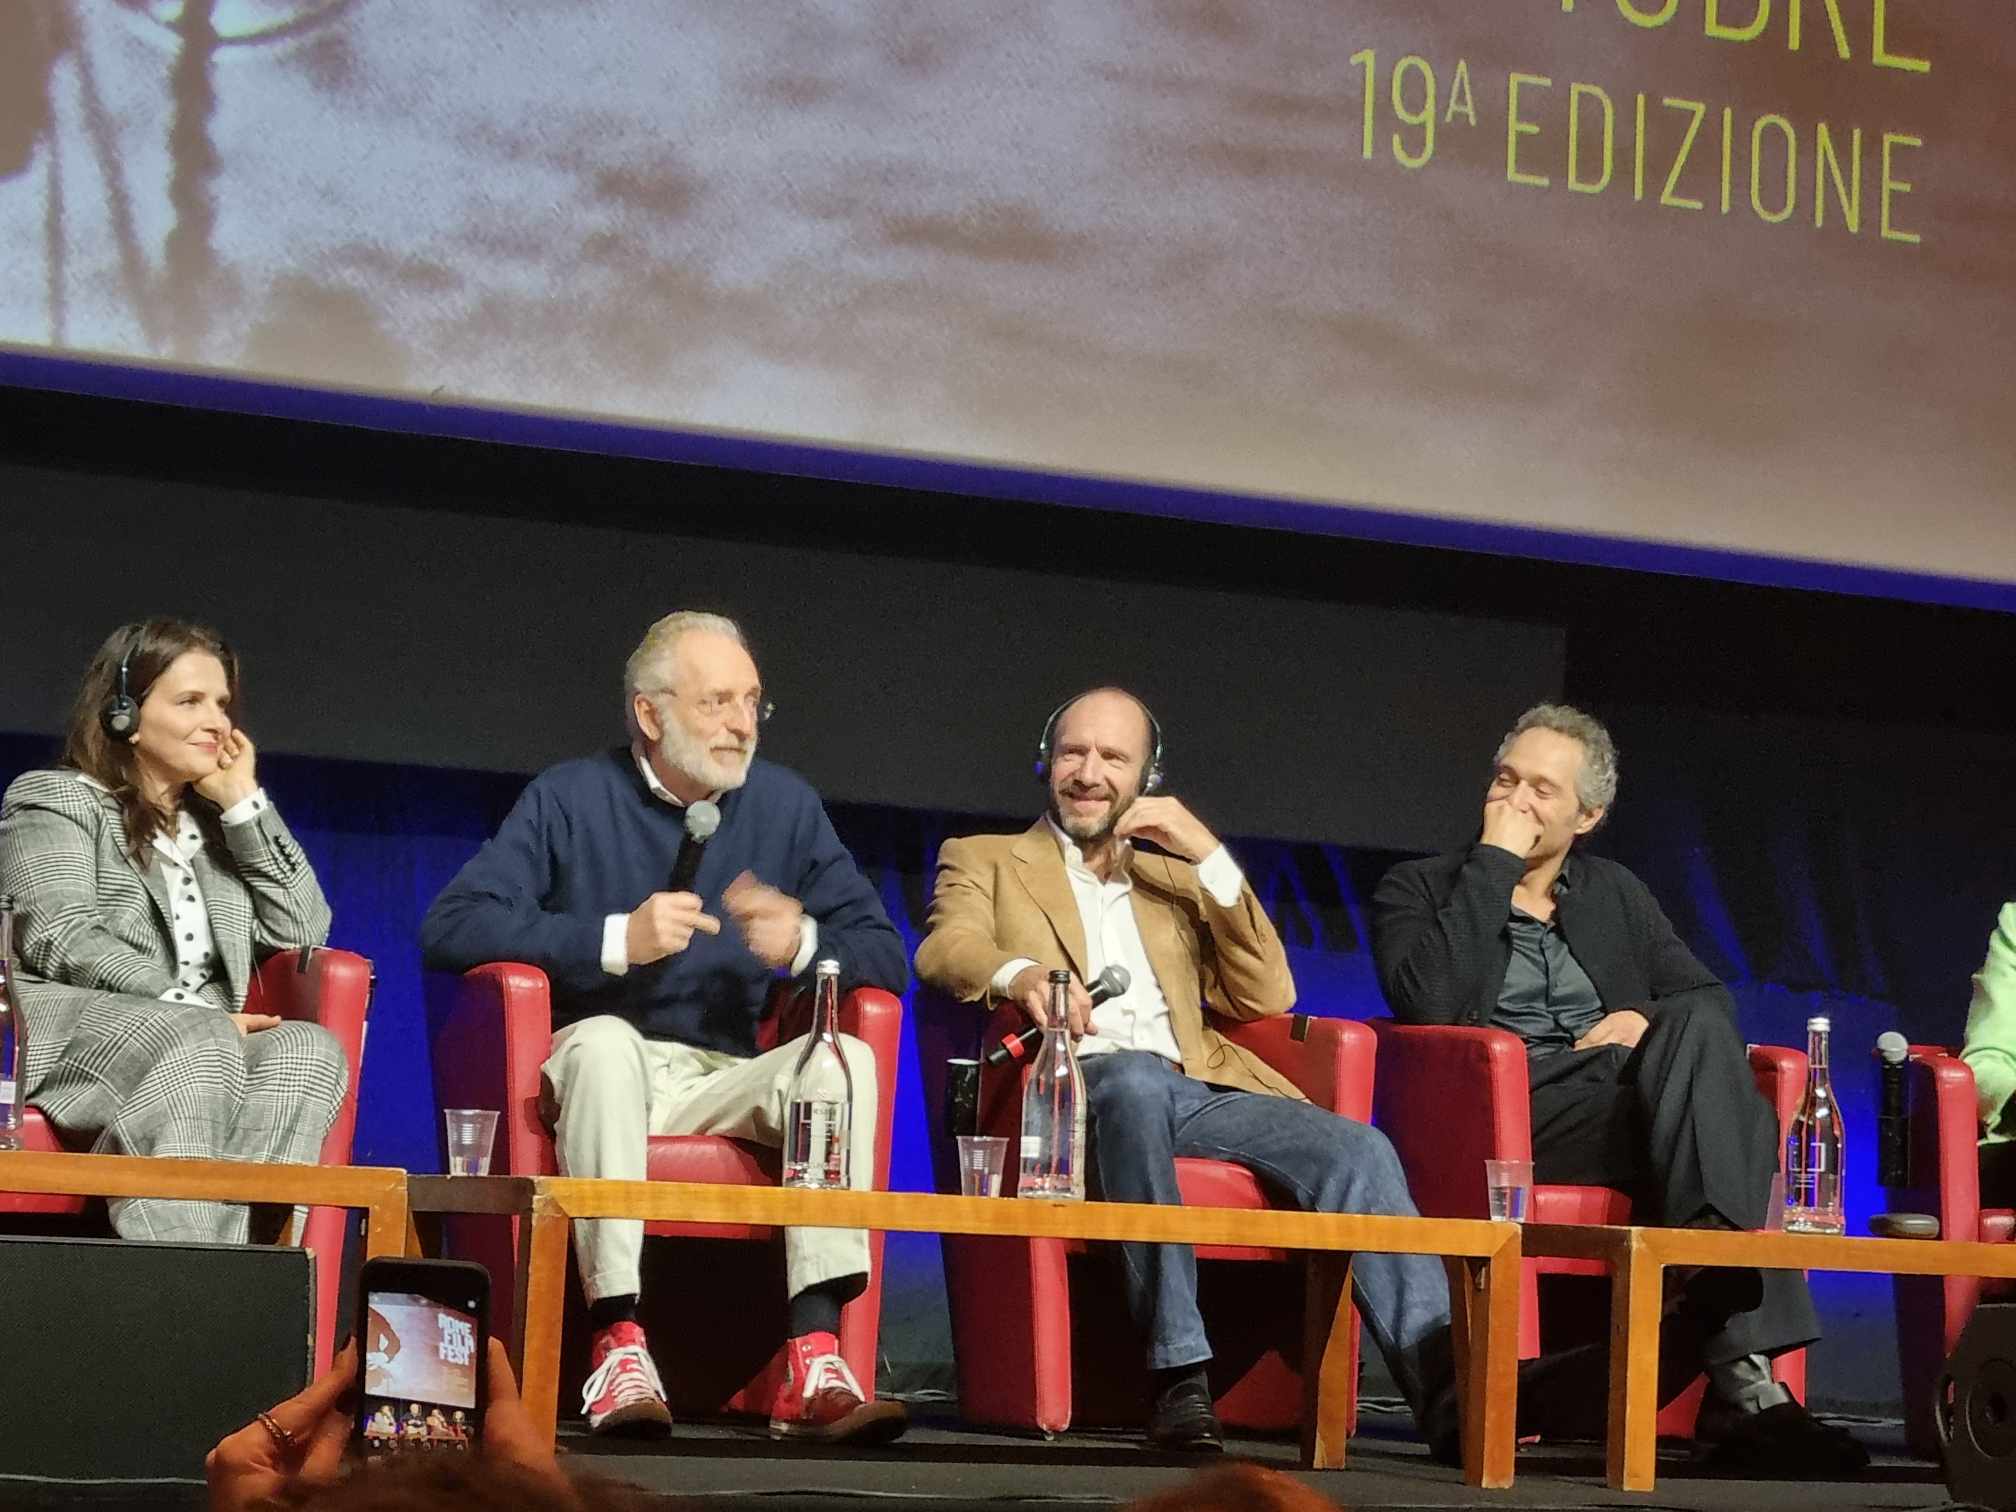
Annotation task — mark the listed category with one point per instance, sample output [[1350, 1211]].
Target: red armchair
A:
[[1945, 1181], [327, 987], [491, 1031], [1041, 1335], [1425, 1071]]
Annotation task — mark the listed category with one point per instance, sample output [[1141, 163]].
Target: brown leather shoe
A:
[[820, 1400]]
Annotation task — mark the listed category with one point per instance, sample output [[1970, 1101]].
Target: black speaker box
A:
[[128, 1361], [1977, 1410]]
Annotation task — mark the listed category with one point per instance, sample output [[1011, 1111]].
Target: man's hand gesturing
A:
[[1167, 823], [664, 924], [1510, 828], [1031, 989], [769, 920]]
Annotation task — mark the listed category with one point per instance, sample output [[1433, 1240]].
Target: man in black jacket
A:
[[1639, 1077]]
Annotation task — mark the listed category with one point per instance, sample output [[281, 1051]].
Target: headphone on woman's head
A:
[[1150, 780], [121, 715]]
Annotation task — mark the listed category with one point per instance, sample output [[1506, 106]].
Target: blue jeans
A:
[[1144, 1112]]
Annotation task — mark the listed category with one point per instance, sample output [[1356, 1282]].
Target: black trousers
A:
[[1677, 1123], [1998, 1175]]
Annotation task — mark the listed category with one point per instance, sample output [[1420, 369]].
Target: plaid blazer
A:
[[90, 919]]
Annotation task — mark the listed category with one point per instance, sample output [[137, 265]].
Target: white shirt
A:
[[615, 928], [1138, 1019], [196, 962]]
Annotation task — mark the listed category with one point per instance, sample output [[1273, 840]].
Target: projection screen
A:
[[1724, 276]]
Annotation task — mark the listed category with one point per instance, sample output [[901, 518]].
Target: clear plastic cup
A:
[[1509, 1186], [982, 1159], [471, 1133]]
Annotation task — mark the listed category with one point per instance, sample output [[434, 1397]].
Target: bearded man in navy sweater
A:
[[657, 994]]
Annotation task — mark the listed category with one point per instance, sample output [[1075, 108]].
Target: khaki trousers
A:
[[615, 1088]]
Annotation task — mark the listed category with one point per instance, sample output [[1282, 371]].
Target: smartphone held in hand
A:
[[423, 1332]]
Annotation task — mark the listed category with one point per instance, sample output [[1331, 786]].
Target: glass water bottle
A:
[[1813, 1150], [1053, 1109], [819, 1110]]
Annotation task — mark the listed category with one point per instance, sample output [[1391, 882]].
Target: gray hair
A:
[[650, 665], [1596, 781]]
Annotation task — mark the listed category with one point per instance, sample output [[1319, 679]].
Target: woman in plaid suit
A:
[[151, 875]]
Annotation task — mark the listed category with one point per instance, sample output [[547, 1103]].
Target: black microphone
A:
[[1110, 983], [702, 819], [1893, 1116]]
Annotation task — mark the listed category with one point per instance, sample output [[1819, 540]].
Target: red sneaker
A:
[[623, 1394], [819, 1399]]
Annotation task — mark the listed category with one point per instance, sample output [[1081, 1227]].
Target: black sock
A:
[[610, 1311], [1162, 1382], [816, 1310]]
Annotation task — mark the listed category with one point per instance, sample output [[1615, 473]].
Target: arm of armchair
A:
[[1780, 1074], [492, 1029], [1945, 1152], [327, 987], [1451, 1097], [1329, 1059]]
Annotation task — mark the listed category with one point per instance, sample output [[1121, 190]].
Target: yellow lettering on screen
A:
[[1826, 164], [1696, 112], [1784, 212], [1638, 149], [1421, 118], [1893, 185], [1577, 93], [1796, 25], [1714, 26], [1636, 17], [1461, 101], [1879, 50], [1728, 153], [1516, 128]]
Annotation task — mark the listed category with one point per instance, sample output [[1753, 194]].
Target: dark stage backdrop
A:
[[912, 683]]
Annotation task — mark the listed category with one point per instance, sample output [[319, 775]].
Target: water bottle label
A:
[[7, 1090], [1032, 1146]]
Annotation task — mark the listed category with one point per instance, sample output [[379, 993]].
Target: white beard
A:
[[688, 754]]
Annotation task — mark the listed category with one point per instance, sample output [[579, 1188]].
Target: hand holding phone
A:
[[423, 1334], [254, 1465]]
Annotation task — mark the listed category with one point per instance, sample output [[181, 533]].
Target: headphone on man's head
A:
[[1150, 780], [121, 715]]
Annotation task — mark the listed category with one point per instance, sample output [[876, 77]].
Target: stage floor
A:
[[941, 1465]]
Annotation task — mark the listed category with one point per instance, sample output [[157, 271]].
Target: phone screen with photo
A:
[[420, 1375]]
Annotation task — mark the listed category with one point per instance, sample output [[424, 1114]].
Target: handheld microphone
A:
[[1110, 983], [1893, 1116], [702, 819]]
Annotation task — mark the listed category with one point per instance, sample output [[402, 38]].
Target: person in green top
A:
[[1991, 1052]]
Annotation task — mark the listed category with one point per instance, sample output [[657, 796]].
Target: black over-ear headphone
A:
[[121, 715], [1150, 780]]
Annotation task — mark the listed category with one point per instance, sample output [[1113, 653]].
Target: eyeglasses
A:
[[717, 705]]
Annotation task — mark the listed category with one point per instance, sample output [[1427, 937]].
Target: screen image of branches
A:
[[1721, 273]]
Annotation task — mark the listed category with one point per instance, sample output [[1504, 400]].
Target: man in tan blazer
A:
[[1077, 891]]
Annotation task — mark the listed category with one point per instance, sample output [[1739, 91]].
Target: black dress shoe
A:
[[1785, 1442], [1182, 1421]]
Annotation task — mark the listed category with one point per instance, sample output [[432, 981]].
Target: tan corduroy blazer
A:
[[1002, 896]]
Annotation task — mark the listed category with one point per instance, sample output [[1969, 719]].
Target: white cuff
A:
[[245, 810], [616, 944], [1005, 977], [808, 944], [1221, 877]]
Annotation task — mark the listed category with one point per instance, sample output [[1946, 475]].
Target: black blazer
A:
[[1441, 942]]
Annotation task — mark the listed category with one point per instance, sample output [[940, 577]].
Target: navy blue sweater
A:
[[588, 839]]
